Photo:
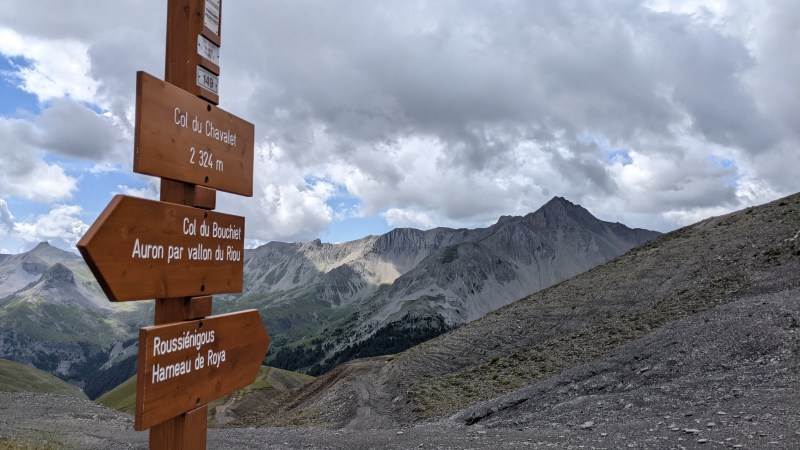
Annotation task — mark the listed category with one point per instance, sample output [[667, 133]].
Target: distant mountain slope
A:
[[383, 294], [57, 319], [605, 321], [122, 398], [15, 377], [17, 271]]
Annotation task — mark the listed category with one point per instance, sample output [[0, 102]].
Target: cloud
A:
[[286, 205], [71, 129], [25, 173], [404, 218], [104, 167], [440, 112], [150, 191], [56, 68], [500, 97], [6, 219], [62, 224]]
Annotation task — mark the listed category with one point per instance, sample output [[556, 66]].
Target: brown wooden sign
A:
[[188, 364], [185, 138], [141, 249]]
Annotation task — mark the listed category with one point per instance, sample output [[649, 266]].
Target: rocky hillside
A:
[[694, 336], [382, 294], [54, 316]]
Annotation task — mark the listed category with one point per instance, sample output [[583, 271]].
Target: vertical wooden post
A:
[[187, 431], [184, 25]]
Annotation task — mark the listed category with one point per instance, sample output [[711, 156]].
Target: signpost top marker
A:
[[187, 22]]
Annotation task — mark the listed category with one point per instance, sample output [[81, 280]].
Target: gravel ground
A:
[[52, 421]]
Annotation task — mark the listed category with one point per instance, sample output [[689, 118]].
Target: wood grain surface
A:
[[185, 138], [172, 380], [142, 249]]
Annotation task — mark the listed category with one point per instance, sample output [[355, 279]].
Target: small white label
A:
[[207, 49], [211, 20], [207, 80]]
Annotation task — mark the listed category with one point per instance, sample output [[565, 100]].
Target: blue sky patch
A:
[[351, 226], [732, 179], [611, 155], [15, 102]]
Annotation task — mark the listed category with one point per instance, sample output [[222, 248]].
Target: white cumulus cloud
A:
[[62, 224]]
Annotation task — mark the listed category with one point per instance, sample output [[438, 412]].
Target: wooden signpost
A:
[[184, 138], [139, 249], [177, 250], [187, 364]]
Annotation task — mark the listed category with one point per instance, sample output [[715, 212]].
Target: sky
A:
[[372, 115]]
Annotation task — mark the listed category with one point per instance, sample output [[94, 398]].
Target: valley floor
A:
[[52, 421]]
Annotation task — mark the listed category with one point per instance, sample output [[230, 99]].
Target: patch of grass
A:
[[16, 377], [122, 398], [16, 443]]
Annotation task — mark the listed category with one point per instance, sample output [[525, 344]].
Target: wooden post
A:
[[184, 26], [190, 163], [187, 431]]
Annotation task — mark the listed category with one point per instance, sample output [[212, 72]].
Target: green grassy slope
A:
[[122, 398], [16, 377]]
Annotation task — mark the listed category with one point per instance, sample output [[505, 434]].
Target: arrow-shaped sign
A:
[[188, 364], [142, 249]]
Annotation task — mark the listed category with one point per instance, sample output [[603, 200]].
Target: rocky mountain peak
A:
[[50, 254], [42, 246], [561, 205], [555, 211], [559, 211]]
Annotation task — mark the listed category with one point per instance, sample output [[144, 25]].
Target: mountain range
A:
[[693, 336], [323, 304], [383, 294], [690, 340]]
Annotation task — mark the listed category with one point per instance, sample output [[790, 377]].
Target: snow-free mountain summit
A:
[[359, 298]]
